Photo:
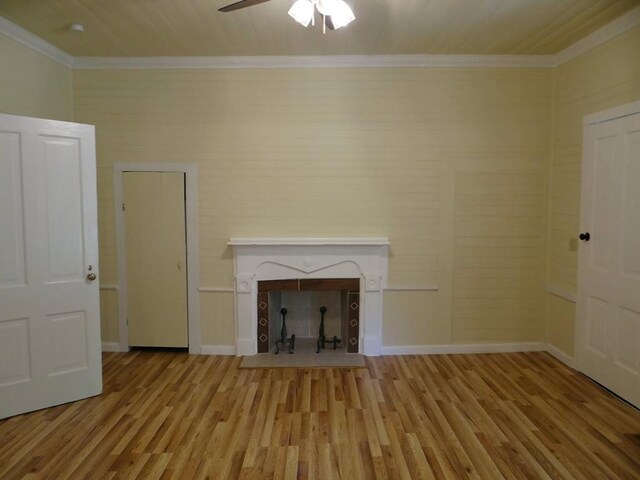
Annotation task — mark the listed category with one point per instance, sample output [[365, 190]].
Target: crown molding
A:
[[316, 61], [593, 40], [602, 35], [29, 40]]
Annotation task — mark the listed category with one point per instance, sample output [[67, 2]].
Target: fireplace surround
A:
[[261, 259]]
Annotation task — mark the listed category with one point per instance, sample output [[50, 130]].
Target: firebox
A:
[[337, 295]]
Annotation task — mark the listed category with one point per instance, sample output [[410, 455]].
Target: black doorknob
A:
[[585, 236]]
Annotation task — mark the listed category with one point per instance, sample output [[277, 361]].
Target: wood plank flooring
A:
[[177, 416]]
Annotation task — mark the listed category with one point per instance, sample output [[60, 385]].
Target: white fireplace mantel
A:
[[257, 259], [309, 241]]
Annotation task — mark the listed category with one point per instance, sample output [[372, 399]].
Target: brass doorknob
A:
[[91, 276]]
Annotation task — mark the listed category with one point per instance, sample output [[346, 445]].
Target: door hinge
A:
[[123, 206]]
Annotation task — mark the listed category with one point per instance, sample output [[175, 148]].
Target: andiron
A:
[[322, 339], [283, 340]]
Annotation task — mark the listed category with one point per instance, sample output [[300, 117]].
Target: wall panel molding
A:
[[564, 294]]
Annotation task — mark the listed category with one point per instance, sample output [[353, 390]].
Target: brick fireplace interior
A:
[[303, 298]]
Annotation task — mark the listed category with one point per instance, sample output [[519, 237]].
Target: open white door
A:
[[49, 305], [608, 311]]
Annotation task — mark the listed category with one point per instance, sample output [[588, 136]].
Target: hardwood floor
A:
[[173, 415]]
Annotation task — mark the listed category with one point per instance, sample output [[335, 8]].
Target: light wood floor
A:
[[171, 415]]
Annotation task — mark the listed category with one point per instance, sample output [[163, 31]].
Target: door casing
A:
[[190, 171]]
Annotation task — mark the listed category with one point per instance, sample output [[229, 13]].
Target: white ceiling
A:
[[134, 28]]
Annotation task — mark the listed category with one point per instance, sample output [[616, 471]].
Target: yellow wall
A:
[[32, 84], [604, 77], [449, 163], [452, 164], [561, 314]]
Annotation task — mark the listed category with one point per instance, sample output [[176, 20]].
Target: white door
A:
[[608, 327], [49, 309], [156, 253]]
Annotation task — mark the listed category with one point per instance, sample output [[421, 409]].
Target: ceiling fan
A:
[[335, 13]]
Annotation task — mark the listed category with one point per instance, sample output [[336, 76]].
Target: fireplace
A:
[[342, 322], [310, 264]]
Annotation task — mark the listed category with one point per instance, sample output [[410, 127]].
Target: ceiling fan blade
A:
[[241, 4]]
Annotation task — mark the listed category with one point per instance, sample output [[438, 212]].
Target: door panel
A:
[[14, 352], [597, 325], [630, 260], [628, 341], [12, 264], [603, 183], [156, 258], [608, 322], [49, 312], [68, 332], [63, 210]]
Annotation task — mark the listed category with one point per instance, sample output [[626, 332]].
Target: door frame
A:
[[604, 116], [190, 171]]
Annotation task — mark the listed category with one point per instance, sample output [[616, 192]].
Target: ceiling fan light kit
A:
[[302, 12], [335, 13], [339, 12], [342, 14]]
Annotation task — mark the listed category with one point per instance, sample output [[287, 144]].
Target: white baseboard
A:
[[217, 350], [110, 347], [464, 348], [480, 348], [413, 349], [560, 355]]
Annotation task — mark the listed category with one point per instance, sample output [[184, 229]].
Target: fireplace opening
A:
[[303, 300]]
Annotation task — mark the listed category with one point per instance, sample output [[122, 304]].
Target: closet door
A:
[[156, 252], [608, 323]]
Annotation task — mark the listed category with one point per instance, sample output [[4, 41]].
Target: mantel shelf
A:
[[359, 241]]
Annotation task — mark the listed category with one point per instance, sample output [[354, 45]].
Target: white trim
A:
[[315, 61], [560, 355], [614, 113], [108, 287], [611, 30], [29, 40], [432, 288], [564, 294], [479, 348], [308, 241], [193, 263], [310, 259], [217, 350], [215, 290], [604, 34], [111, 347], [464, 348]]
